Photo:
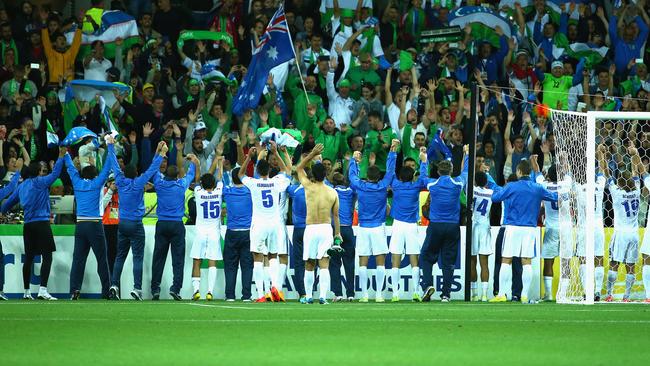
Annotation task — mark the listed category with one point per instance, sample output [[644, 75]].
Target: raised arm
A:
[[300, 168], [251, 153], [154, 167], [390, 163], [47, 180], [353, 170], [387, 84]]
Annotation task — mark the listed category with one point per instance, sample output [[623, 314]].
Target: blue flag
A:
[[77, 134], [275, 48], [438, 147]]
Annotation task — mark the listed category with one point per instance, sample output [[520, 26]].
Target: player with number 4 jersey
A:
[[207, 240]]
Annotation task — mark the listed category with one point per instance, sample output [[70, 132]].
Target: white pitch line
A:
[[219, 306]]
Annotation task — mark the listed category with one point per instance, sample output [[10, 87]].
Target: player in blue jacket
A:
[[89, 231], [237, 242], [371, 235], [404, 239], [130, 231], [443, 232], [523, 199], [347, 199], [170, 230], [4, 192], [34, 196]]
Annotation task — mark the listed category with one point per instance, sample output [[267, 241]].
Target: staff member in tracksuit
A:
[[443, 232], [298, 217], [89, 231], [130, 231], [347, 198], [34, 197], [237, 243], [170, 230], [4, 192]]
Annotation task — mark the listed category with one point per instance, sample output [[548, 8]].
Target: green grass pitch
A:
[[218, 333]]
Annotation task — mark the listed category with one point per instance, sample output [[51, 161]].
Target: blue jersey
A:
[[372, 196], [239, 207], [445, 195], [523, 199], [9, 188], [298, 205], [34, 195], [171, 195], [346, 205], [131, 191], [406, 200], [88, 192]]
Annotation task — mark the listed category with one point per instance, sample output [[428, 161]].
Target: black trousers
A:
[[110, 232], [297, 262], [517, 285], [442, 240], [237, 254], [89, 235], [169, 234], [347, 260]]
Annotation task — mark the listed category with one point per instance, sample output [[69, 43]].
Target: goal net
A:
[[602, 212]]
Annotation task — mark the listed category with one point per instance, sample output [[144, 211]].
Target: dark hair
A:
[[95, 43], [480, 179], [512, 178], [409, 160], [263, 167], [96, 2], [318, 172], [445, 167], [208, 181], [235, 175], [626, 181], [89, 172], [338, 179], [421, 133], [130, 171], [33, 170], [524, 167], [374, 114], [552, 173], [373, 173], [172, 172], [316, 35], [406, 174], [516, 137]]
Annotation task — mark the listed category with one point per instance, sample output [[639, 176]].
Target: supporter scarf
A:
[[369, 34], [394, 25], [414, 21], [11, 45], [203, 35]]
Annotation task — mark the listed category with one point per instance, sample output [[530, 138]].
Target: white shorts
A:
[[317, 239], [207, 244], [599, 241], [624, 247], [520, 241], [481, 240], [264, 237], [371, 241], [551, 243], [645, 248], [405, 239], [283, 240]]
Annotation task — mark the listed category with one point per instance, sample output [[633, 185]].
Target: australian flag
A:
[[273, 49]]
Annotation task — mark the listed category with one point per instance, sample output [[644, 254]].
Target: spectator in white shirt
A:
[[95, 65], [340, 103]]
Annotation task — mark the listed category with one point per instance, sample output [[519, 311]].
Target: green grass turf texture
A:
[[94, 332]]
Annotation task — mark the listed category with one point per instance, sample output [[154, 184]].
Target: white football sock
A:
[[526, 279], [646, 281], [274, 272], [212, 278], [282, 275], [611, 280], [505, 279], [599, 274], [473, 287], [485, 287], [324, 282], [363, 280], [196, 283], [42, 290], [394, 279], [267, 280], [415, 275], [28, 292], [630, 278], [258, 276], [583, 278], [548, 287], [380, 274], [309, 283]]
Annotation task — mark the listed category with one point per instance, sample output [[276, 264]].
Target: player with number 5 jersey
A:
[[207, 239], [266, 218]]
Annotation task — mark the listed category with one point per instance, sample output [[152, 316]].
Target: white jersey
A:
[[601, 183], [626, 207], [208, 207], [552, 209], [284, 205], [482, 205], [265, 195]]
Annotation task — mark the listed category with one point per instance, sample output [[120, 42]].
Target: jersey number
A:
[[554, 206], [267, 198], [631, 207], [482, 207], [212, 210]]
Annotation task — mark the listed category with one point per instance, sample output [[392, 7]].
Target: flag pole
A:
[[295, 57]]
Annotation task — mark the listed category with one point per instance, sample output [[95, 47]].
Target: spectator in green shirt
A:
[[301, 101], [363, 74], [331, 138], [378, 140]]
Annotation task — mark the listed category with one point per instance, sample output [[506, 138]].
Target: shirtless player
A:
[[322, 207]]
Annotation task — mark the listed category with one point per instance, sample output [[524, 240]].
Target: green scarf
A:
[[203, 35], [11, 45], [370, 40], [415, 22]]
